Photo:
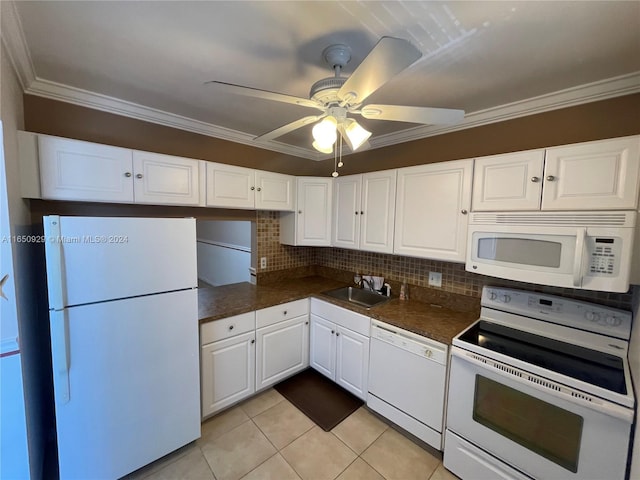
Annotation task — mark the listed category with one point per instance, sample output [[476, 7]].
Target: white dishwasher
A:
[[407, 375]]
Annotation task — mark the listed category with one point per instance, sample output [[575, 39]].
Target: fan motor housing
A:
[[326, 90]]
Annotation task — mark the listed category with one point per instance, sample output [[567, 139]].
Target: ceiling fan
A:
[[339, 97]]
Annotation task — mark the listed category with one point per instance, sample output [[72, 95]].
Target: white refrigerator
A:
[[124, 339]]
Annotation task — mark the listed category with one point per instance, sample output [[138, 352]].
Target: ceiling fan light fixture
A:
[[322, 148], [324, 132], [356, 133]]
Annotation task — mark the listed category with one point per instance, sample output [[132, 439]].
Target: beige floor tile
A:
[[261, 402], [398, 458], [283, 423], [360, 470], [222, 423], [442, 473], [276, 468], [237, 452], [318, 455], [359, 430], [191, 466]]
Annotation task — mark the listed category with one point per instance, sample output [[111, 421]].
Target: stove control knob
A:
[[505, 298], [492, 295], [613, 321], [592, 316]]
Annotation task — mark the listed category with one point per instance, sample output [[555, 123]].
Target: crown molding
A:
[[591, 92], [14, 41]]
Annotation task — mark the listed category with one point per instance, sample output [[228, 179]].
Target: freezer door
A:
[[133, 383], [91, 259]]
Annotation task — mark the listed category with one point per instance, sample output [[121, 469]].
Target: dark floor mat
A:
[[319, 398]]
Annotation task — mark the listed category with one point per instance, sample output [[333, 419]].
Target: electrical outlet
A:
[[435, 279], [263, 262]]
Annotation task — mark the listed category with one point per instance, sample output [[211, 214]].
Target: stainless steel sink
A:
[[358, 296]]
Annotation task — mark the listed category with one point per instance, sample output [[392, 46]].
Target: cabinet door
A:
[[282, 349], [274, 191], [592, 176], [228, 372], [322, 346], [74, 170], [432, 203], [164, 179], [314, 211], [508, 182], [346, 211], [352, 361], [377, 213], [230, 186]]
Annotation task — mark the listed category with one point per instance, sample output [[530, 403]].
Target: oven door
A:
[[536, 426]]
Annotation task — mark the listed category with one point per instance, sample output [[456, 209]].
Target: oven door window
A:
[[539, 426]]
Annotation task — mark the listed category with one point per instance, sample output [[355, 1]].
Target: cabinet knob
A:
[[463, 211], [535, 179], [138, 175], [551, 178], [332, 332], [252, 342], [337, 334], [230, 327], [259, 189], [253, 188], [285, 312], [361, 212], [127, 174], [306, 323], [300, 211], [356, 213]]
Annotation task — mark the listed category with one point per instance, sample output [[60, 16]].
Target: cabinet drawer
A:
[[227, 327], [341, 316], [277, 313]]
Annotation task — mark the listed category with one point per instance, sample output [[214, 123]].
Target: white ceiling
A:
[[149, 60]]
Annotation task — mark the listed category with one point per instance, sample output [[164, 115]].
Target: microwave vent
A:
[[604, 219]]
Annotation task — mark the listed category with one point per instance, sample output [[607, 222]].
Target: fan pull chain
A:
[[335, 163], [340, 162]]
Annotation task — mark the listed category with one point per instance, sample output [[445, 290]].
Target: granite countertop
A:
[[429, 320]]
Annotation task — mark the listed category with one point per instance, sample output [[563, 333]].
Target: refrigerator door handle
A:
[[54, 256], [60, 354]]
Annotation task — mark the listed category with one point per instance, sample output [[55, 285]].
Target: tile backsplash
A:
[[397, 269]]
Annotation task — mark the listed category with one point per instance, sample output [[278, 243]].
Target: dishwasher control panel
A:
[[410, 342]]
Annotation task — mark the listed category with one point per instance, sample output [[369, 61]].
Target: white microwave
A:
[[582, 250]]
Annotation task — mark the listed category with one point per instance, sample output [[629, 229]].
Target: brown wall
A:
[[592, 121]]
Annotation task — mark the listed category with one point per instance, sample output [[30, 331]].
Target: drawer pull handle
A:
[[230, 327], [285, 312]]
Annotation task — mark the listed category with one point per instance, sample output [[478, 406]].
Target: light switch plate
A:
[[435, 279]]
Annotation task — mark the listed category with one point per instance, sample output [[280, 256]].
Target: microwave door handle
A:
[[578, 256]]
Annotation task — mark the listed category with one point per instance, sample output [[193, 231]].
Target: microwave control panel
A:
[[604, 256]]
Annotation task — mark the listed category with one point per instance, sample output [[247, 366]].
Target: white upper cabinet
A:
[[230, 186], [75, 170], [240, 187], [508, 182], [600, 175], [165, 179], [274, 191], [432, 204], [310, 224], [364, 211]]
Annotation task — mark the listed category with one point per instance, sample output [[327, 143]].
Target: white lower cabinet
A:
[[282, 340], [339, 346], [228, 361]]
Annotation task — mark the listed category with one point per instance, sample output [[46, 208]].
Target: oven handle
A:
[[538, 383], [578, 256]]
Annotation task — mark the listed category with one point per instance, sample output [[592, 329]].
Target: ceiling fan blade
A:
[[425, 115], [389, 57], [265, 94], [289, 127]]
